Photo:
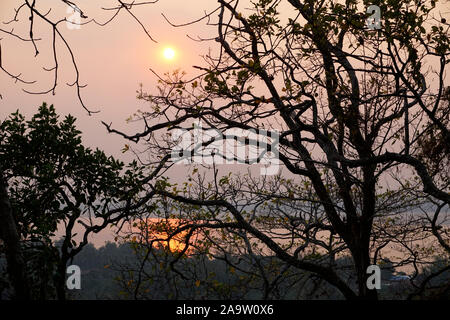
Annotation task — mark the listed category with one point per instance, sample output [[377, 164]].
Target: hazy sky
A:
[[113, 60]]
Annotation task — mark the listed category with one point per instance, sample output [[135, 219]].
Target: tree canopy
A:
[[55, 182]]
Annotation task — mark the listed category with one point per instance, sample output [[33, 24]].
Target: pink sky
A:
[[113, 60]]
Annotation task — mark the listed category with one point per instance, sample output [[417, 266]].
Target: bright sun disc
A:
[[169, 53]]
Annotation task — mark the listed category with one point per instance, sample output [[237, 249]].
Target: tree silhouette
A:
[[352, 107], [51, 182]]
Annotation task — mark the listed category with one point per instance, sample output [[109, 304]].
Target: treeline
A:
[[119, 271]]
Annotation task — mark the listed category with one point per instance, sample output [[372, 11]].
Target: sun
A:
[[169, 53]]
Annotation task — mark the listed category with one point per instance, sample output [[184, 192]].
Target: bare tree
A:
[[352, 106], [41, 12]]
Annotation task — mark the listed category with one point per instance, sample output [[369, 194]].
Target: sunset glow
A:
[[155, 228]]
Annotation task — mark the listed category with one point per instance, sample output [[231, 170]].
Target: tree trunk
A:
[[60, 280], [362, 262], [361, 259], [10, 236]]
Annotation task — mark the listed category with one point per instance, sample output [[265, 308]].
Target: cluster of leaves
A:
[[50, 172], [435, 144], [53, 182]]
